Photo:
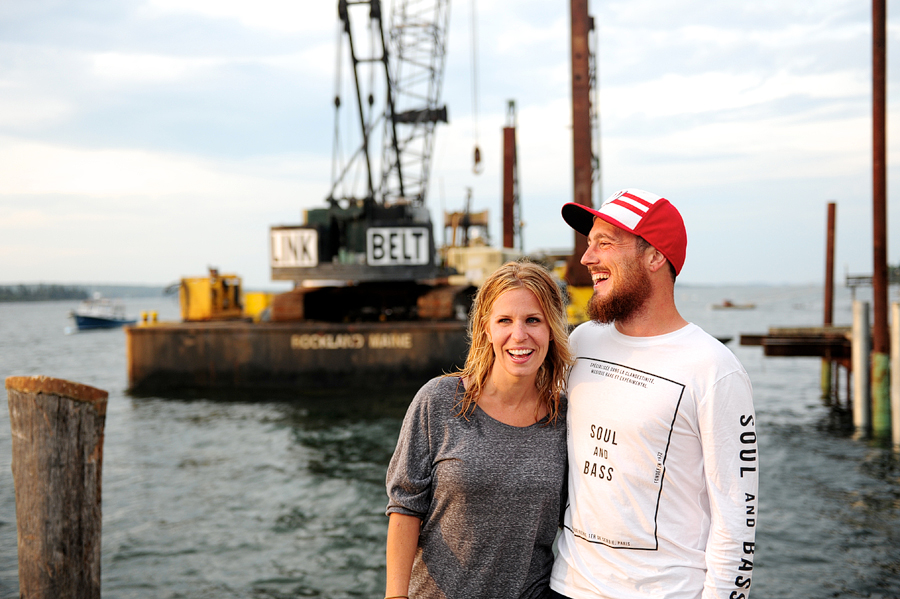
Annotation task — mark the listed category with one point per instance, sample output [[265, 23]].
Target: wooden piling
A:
[[895, 379], [881, 395], [862, 407], [57, 456]]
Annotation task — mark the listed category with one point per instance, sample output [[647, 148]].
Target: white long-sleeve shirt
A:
[[663, 469]]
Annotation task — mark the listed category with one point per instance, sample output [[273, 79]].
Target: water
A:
[[262, 495]]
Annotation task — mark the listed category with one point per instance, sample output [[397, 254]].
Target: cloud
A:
[[21, 109], [716, 92], [284, 16], [38, 169], [159, 69], [148, 67]]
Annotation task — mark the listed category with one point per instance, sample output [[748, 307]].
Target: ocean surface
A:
[[263, 495]]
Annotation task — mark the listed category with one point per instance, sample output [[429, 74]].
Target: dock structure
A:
[[831, 343], [861, 349], [825, 342], [850, 348], [297, 355]]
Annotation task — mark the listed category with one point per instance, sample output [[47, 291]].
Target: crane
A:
[[370, 252]]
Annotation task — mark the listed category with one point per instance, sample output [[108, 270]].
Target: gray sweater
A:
[[489, 496]]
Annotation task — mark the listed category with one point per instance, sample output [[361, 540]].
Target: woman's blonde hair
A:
[[551, 377]]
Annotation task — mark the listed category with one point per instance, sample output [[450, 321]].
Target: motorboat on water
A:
[[729, 305], [100, 313]]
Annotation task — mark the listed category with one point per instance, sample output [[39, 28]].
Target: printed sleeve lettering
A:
[[731, 463]]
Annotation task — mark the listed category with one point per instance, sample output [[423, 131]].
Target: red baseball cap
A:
[[639, 212]]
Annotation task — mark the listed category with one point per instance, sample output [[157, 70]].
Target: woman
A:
[[477, 480]]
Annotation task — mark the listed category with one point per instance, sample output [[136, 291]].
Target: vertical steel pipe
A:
[[509, 187], [880, 337], [581, 25], [828, 317]]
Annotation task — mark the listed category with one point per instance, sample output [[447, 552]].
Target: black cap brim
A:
[[579, 217]]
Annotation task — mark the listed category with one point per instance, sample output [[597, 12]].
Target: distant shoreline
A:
[[42, 292]]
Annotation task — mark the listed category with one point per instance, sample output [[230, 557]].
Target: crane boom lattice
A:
[[396, 89]]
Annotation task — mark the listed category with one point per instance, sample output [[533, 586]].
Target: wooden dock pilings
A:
[[895, 380], [850, 347], [57, 456], [862, 378]]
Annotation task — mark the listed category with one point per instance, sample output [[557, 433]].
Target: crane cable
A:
[[336, 142], [477, 168]]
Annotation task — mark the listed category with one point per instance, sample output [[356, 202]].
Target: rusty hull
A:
[[291, 355]]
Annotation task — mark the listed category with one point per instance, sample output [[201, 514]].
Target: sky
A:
[[142, 141]]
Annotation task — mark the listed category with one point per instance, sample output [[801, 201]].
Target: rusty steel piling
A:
[[582, 24], [881, 423], [828, 366]]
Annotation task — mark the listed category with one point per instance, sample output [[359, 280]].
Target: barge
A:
[[299, 355]]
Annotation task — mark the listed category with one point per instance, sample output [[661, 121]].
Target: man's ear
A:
[[655, 259]]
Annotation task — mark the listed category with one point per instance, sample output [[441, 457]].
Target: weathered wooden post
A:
[[862, 405], [57, 457], [895, 376]]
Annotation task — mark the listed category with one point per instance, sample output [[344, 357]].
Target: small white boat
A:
[[100, 313]]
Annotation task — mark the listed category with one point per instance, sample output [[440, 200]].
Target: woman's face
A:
[[519, 332]]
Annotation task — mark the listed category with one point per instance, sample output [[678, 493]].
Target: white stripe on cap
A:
[[636, 201], [628, 207]]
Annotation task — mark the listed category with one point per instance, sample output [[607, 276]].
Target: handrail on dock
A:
[[854, 281]]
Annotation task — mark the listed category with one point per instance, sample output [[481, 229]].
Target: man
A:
[[663, 466]]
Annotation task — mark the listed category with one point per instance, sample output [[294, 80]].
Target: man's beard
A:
[[627, 297]]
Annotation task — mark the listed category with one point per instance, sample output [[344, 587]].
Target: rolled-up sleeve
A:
[[409, 475]]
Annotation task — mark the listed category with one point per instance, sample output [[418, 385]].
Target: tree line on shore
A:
[[41, 292]]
